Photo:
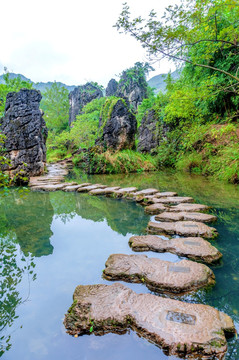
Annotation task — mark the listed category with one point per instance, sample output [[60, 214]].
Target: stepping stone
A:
[[108, 190], [50, 187], [175, 326], [183, 228], [146, 192], [155, 209], [91, 187], [124, 191], [158, 275], [189, 208], [72, 188], [191, 247], [165, 194], [170, 216], [175, 200]]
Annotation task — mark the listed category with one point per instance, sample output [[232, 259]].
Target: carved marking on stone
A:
[[185, 225], [193, 243], [181, 318], [179, 269]]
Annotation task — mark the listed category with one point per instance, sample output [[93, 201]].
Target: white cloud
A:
[[70, 41]]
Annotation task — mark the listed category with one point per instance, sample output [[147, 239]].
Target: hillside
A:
[[158, 82], [42, 86]]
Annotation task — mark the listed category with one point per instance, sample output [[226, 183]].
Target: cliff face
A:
[[25, 131], [81, 96]]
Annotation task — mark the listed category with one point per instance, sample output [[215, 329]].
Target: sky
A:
[[72, 41]]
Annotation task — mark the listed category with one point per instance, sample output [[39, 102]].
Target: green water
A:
[[51, 242]]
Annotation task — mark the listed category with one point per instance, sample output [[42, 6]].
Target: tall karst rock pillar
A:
[[25, 131]]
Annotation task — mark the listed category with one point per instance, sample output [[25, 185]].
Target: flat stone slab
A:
[[175, 200], [155, 209], [165, 194], [91, 187], [177, 327], [183, 228], [146, 192], [72, 188], [107, 190], [189, 207], [180, 216], [158, 275], [50, 187], [195, 248], [125, 191]]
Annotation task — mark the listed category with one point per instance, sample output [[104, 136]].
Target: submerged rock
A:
[[159, 275], [184, 228], [178, 216], [177, 327], [26, 133], [195, 248]]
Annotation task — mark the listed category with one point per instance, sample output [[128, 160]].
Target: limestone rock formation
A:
[[81, 96], [118, 132], [25, 131], [151, 133], [111, 88], [178, 327]]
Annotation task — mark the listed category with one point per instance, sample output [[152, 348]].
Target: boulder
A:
[[155, 209], [159, 275], [81, 96], [177, 327], [188, 207], [26, 133], [119, 128], [111, 88], [195, 248]]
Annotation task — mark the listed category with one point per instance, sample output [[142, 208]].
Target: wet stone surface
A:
[[179, 328], [158, 275], [91, 187], [183, 228], [189, 208], [106, 191], [155, 209], [195, 248], [170, 216]]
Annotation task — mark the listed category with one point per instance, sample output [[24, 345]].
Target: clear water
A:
[[51, 242]]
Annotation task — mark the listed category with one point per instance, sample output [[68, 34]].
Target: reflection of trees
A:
[[12, 268], [30, 217], [121, 215]]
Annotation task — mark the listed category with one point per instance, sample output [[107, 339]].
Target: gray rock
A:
[[81, 96], [25, 131], [118, 133], [111, 88]]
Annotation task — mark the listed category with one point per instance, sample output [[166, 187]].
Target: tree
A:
[[55, 105], [192, 32]]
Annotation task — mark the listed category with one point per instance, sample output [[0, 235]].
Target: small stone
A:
[[195, 248], [176, 326], [183, 228]]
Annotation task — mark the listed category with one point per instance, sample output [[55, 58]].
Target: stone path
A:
[[183, 228], [158, 275], [179, 328], [195, 248]]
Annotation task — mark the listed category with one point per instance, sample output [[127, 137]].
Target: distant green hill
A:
[[42, 86], [158, 82]]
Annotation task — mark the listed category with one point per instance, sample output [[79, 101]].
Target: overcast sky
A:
[[72, 41]]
